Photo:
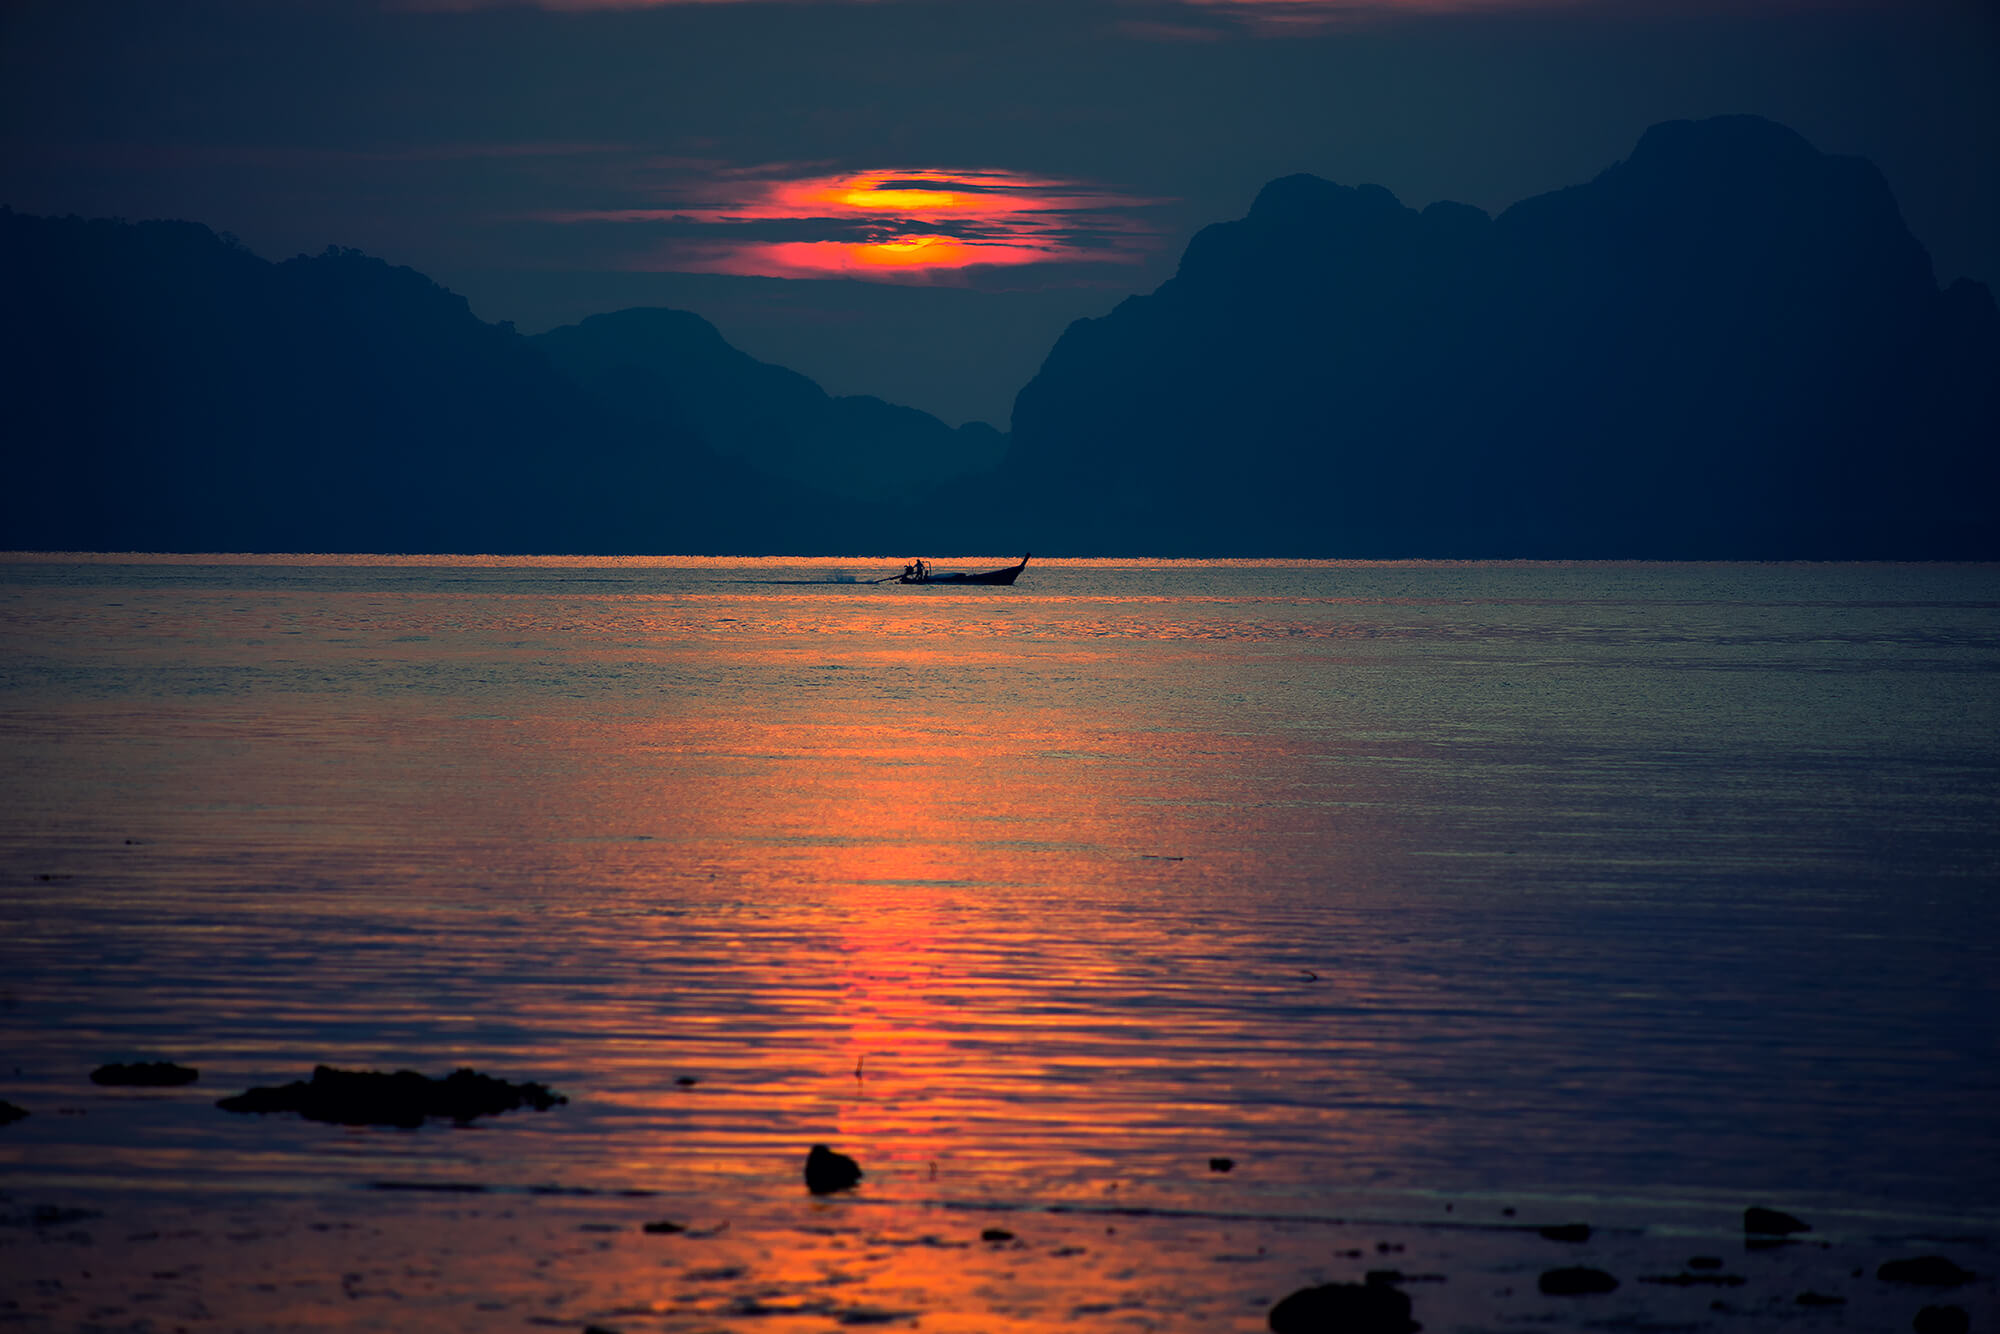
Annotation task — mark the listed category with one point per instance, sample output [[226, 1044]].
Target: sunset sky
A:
[[912, 197]]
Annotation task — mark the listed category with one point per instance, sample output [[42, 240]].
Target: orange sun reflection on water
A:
[[864, 865]]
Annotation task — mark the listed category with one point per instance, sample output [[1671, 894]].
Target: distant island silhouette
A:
[[1726, 346]]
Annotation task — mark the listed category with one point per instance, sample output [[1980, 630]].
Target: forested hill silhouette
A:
[[1728, 345], [670, 372], [166, 389]]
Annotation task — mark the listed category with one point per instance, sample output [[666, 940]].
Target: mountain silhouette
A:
[[1727, 345], [168, 390], [669, 371]]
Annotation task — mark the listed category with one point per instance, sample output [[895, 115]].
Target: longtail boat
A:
[[920, 572]]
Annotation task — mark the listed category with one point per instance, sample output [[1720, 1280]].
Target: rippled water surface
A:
[[1643, 890]]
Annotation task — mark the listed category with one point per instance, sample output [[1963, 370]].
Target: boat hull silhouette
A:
[[925, 575]]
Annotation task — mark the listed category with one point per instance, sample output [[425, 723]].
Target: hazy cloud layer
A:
[[1112, 130], [896, 224]]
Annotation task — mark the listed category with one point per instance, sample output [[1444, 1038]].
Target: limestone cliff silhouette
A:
[[165, 389], [670, 371], [1728, 345]]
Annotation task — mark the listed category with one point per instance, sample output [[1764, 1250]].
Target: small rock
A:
[[1221, 1164], [1942, 1320], [9, 1113], [144, 1074], [1704, 1262], [1380, 1277], [1508, 1212], [1576, 1281], [663, 1228], [1819, 1299], [1772, 1222], [686, 1081], [1345, 1308], [827, 1171], [996, 1234], [1567, 1232], [1931, 1271]]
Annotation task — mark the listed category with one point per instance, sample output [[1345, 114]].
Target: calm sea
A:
[[1608, 891]]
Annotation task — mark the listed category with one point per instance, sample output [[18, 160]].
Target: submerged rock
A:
[[1931, 1271], [144, 1074], [827, 1171], [1810, 1298], [9, 1113], [1577, 1281], [663, 1228], [1221, 1164], [1942, 1320], [405, 1098], [1566, 1232], [1344, 1308], [996, 1234], [1772, 1222]]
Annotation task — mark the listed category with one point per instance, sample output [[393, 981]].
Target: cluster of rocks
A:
[[136, 1074], [346, 1097], [405, 1098], [1378, 1306]]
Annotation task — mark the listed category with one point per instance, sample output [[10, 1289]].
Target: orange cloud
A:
[[885, 225]]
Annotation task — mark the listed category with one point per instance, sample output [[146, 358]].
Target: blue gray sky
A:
[[911, 198]]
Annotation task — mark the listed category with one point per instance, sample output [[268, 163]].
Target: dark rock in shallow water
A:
[[996, 1234], [827, 1171], [1772, 1222], [1576, 1281], [1931, 1271], [9, 1113], [1942, 1320], [1221, 1164], [1704, 1262], [1566, 1232], [144, 1074], [1819, 1299], [1344, 1308], [663, 1228], [405, 1098]]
